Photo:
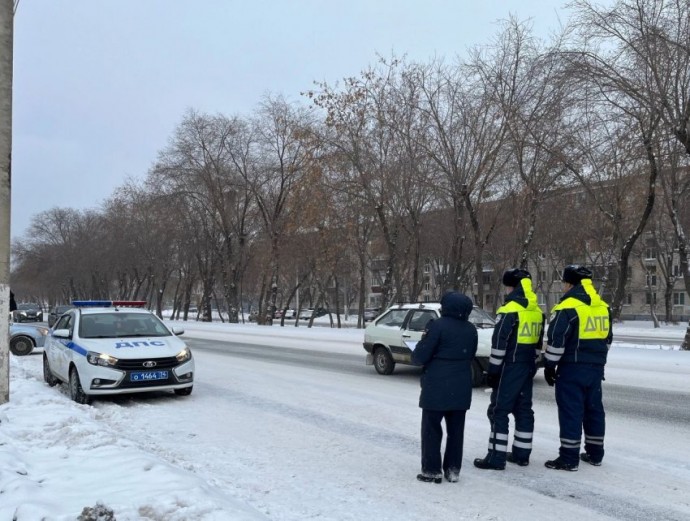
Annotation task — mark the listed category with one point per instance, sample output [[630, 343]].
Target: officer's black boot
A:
[[512, 459], [588, 459], [487, 464], [559, 464]]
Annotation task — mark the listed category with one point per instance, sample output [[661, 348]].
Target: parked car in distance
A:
[[27, 312], [115, 347], [386, 338], [370, 314], [25, 338], [305, 314], [56, 313]]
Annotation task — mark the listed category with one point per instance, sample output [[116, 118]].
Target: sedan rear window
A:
[[394, 318]]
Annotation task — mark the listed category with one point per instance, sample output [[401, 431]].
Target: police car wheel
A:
[[184, 392], [383, 361], [48, 376], [21, 345], [75, 389]]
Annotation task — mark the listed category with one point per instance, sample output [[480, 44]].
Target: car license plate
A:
[[145, 376]]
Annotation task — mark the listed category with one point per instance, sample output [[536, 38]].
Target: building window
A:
[[486, 278], [489, 299], [650, 298], [542, 276], [426, 298], [628, 299], [676, 270], [679, 298], [540, 299], [651, 252], [651, 276], [427, 286], [427, 268]]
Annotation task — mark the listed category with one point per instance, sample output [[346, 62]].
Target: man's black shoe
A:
[[587, 459], [452, 477], [559, 464], [512, 459], [430, 478], [483, 463]]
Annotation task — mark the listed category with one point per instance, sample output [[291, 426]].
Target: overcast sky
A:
[[99, 86]]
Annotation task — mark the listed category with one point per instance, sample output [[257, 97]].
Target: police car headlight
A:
[[101, 359], [184, 355]]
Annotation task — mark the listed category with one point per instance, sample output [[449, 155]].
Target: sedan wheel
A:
[[383, 361], [21, 345], [75, 390], [48, 376], [477, 374]]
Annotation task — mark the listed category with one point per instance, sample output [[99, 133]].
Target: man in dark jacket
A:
[[446, 351], [515, 343], [579, 337], [13, 303]]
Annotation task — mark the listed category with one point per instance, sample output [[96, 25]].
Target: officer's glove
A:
[[492, 380], [550, 375]]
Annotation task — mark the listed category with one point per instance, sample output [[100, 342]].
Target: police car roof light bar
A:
[[92, 303], [109, 303], [129, 303]]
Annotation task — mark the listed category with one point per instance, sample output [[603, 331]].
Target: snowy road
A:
[[306, 434], [293, 425], [628, 400]]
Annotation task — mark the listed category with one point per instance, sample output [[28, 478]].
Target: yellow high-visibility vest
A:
[[594, 319], [530, 321]]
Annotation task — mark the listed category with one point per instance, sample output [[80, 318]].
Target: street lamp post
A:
[[6, 46]]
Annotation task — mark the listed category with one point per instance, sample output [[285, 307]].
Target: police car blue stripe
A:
[[76, 348]]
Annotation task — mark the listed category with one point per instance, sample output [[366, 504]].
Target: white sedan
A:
[[388, 338], [116, 347]]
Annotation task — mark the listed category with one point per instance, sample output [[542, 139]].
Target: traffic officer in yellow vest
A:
[[515, 343], [579, 337]]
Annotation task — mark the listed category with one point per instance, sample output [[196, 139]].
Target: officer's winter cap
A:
[[574, 274], [457, 305], [513, 277]]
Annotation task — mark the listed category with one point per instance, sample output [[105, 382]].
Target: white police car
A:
[[115, 347]]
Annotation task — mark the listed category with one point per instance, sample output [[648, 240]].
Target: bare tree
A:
[[523, 78], [197, 165], [283, 132], [360, 130], [465, 142]]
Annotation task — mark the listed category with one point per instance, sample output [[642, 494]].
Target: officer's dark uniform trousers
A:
[[578, 395], [512, 396]]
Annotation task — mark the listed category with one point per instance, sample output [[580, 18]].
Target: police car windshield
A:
[[120, 324]]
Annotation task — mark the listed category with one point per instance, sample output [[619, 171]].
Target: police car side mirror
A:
[[177, 331], [61, 333]]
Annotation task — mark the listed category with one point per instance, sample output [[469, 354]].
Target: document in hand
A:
[[411, 344]]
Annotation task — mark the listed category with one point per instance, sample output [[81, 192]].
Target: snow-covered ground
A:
[[260, 440]]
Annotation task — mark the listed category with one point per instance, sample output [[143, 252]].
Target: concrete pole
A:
[[6, 49]]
